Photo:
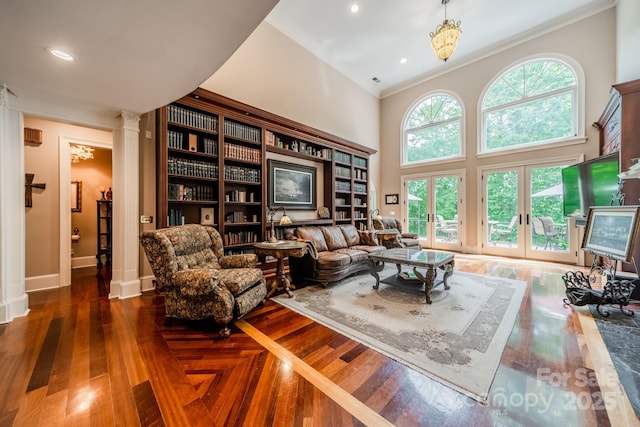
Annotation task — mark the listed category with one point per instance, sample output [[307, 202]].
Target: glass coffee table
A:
[[430, 260]]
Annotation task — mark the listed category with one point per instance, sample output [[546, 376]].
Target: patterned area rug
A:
[[457, 340]]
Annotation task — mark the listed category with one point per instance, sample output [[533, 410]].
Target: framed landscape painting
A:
[[292, 186], [611, 232]]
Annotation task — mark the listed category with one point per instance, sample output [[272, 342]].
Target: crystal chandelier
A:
[[80, 152], [445, 38]]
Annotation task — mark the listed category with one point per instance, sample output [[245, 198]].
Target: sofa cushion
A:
[[369, 249], [367, 237], [334, 238], [314, 235], [350, 233], [354, 254], [329, 260], [238, 280]]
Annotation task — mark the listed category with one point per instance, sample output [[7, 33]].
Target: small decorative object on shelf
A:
[[109, 194]]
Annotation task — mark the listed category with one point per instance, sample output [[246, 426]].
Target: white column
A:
[[14, 301], [125, 281]]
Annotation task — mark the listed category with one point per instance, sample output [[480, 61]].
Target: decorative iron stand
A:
[[615, 292]]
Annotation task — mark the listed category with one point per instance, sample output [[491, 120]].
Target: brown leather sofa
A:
[[333, 253]]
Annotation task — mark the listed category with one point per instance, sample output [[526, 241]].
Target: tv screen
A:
[[591, 183]]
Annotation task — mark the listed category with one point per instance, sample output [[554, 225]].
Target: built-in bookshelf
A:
[[212, 154]]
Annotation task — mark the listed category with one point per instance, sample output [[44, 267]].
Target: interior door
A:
[[523, 213], [432, 209]]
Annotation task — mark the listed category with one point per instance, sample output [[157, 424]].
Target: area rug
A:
[[458, 339]]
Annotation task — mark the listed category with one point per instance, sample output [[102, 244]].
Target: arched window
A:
[[432, 129], [534, 102]]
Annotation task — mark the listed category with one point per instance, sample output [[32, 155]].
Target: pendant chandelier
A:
[[80, 152], [445, 38]]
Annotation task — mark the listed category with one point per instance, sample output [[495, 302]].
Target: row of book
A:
[[240, 130], [342, 215], [359, 188], [235, 217], [240, 152], [240, 237], [359, 162], [196, 119], [240, 173], [343, 157], [176, 140], [239, 196], [360, 174], [299, 146], [191, 192], [343, 186], [175, 217], [195, 168], [343, 172], [340, 201]]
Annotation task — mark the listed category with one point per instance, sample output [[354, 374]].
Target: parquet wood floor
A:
[[79, 359]]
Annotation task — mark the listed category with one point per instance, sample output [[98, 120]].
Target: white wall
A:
[[628, 40], [272, 72], [590, 42]]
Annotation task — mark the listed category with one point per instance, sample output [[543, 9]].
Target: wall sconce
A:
[[284, 220]]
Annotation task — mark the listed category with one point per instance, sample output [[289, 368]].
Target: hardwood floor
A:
[[79, 358]]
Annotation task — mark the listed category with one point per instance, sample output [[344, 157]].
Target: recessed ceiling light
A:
[[355, 8], [61, 54], [403, 60]]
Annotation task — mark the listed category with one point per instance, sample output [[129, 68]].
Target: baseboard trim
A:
[[83, 262], [40, 283]]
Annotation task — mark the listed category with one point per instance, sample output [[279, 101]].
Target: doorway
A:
[[433, 208], [92, 178], [523, 213]]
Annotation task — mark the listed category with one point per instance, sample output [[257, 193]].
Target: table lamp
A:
[[284, 220], [375, 214]]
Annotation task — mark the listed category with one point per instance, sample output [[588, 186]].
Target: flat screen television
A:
[[590, 183]]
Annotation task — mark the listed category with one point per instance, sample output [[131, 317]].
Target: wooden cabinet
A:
[[619, 129], [105, 224], [212, 155]]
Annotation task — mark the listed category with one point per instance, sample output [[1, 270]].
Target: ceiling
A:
[[372, 42], [136, 56], [130, 55]]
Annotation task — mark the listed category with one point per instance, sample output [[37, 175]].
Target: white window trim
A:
[[403, 146], [579, 111]]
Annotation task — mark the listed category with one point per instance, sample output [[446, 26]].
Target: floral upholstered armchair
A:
[[391, 224], [198, 280]]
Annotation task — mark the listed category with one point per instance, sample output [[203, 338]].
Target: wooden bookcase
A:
[[212, 158]]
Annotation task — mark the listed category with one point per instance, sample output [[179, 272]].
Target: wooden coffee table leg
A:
[[376, 267], [427, 279], [448, 271]]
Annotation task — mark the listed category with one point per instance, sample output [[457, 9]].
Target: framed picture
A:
[[207, 216], [76, 196], [611, 232], [292, 186], [391, 199]]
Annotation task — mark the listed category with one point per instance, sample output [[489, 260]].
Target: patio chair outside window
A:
[[503, 230]]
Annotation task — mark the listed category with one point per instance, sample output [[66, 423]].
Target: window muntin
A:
[[532, 103], [433, 129]]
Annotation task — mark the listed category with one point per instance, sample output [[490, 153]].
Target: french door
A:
[[432, 208], [523, 213]]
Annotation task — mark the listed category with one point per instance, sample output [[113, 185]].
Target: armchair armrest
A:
[[239, 261], [196, 282], [409, 235]]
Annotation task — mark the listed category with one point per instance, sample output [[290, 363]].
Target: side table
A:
[[388, 238], [280, 250]]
